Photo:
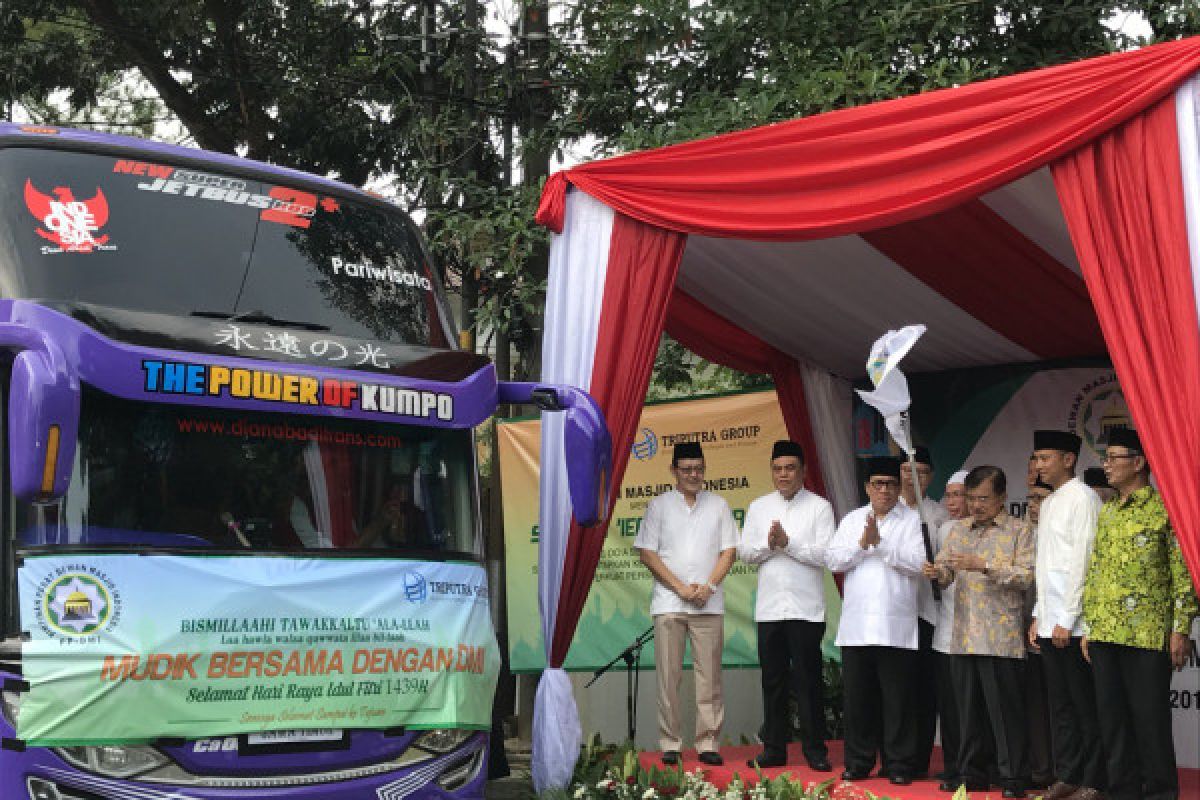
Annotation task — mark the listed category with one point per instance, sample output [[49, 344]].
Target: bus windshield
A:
[[115, 231], [157, 475]]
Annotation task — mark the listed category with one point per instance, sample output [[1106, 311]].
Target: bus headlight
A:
[[442, 740], [114, 761], [9, 702]]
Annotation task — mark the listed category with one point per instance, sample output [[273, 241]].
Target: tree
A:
[[663, 71], [680, 373], [300, 83]]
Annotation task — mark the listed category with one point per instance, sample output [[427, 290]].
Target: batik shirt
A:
[[1138, 590], [988, 605]]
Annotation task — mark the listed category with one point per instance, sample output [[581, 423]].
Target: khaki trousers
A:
[[707, 634]]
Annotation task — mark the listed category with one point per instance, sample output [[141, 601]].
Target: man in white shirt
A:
[[934, 514], [786, 533], [688, 541], [1065, 534], [879, 549], [955, 501]]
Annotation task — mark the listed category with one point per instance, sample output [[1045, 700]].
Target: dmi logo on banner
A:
[[77, 604], [1098, 409]]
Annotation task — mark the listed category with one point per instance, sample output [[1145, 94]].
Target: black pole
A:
[[916, 482], [630, 655]]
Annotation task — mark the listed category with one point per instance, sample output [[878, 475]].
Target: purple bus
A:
[[134, 277]]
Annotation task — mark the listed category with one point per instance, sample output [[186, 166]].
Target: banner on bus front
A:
[[126, 647]]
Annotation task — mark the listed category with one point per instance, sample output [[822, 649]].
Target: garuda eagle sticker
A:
[[71, 225]]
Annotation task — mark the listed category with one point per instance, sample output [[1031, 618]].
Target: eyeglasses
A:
[[883, 484], [1117, 456], [690, 470]]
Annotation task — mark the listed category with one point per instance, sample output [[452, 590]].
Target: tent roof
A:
[[825, 301], [819, 233]]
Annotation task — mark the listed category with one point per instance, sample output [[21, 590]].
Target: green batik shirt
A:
[[1138, 590]]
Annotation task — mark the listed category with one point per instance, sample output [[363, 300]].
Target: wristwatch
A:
[[711, 588]]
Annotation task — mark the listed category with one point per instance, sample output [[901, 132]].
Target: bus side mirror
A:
[[587, 444], [43, 421], [587, 447]]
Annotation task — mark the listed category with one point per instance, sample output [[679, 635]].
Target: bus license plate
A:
[[293, 737]]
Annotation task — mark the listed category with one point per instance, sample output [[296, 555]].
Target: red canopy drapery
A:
[[635, 303], [1123, 198], [877, 165]]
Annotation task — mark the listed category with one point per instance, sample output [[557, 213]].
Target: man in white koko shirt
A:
[[688, 541], [879, 549], [786, 533], [1066, 532]]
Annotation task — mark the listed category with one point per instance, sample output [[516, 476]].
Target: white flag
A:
[[890, 397]]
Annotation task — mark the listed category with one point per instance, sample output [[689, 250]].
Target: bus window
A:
[[72, 229], [151, 475], [105, 230], [355, 269]]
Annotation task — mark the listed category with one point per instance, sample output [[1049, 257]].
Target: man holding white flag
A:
[[891, 399], [878, 549]]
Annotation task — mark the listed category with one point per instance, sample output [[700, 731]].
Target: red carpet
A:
[[735, 763]]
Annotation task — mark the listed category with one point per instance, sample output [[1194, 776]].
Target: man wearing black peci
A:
[[786, 534], [688, 541], [879, 549], [1065, 534], [1138, 604]]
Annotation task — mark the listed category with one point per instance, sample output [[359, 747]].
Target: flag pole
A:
[[906, 424]]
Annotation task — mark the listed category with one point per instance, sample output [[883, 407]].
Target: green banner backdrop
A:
[[736, 432]]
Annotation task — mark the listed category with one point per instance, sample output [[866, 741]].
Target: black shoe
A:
[[712, 758], [952, 784], [765, 760], [670, 758], [856, 774], [899, 779], [820, 764], [1013, 794]]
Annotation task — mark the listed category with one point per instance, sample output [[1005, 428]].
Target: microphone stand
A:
[[630, 655]]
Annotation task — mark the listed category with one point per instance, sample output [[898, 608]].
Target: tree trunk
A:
[[536, 152]]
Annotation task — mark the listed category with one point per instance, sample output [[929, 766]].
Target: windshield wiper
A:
[[261, 318]]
